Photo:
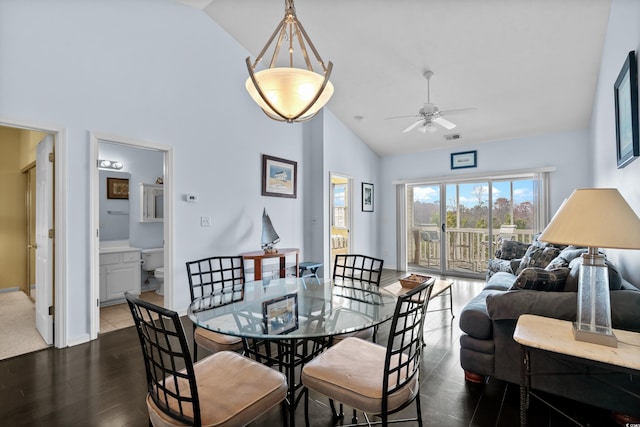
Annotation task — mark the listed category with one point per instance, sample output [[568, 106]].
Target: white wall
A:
[[564, 151], [623, 36], [157, 71], [345, 154]]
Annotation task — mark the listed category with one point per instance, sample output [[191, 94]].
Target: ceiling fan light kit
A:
[[290, 94]]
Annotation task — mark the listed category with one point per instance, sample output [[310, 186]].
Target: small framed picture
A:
[[279, 177], [280, 315], [464, 159], [626, 100], [117, 188], [367, 197]]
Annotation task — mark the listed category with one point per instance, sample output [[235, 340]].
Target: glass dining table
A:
[[284, 323]]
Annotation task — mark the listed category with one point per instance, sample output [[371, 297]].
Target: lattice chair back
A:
[[217, 281], [220, 276], [358, 267], [406, 338], [167, 360]]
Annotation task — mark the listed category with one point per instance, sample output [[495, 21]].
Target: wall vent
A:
[[452, 136]]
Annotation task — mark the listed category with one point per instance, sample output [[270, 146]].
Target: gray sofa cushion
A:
[[474, 319], [501, 281], [512, 304]]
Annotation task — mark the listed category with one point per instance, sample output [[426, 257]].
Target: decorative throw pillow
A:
[[567, 255], [539, 279], [615, 278], [538, 257], [511, 249]]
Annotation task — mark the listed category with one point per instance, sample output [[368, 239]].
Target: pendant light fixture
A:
[[288, 93]]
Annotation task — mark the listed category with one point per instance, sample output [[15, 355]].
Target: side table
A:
[[258, 256], [537, 333]]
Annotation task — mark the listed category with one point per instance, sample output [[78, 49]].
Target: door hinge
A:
[[51, 233], [52, 157], [51, 310], [98, 302]]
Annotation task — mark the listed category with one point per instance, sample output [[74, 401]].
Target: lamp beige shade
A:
[[595, 217]]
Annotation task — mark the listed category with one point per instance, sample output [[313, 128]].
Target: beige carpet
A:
[[18, 334]]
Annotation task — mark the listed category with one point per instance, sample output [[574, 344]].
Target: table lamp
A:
[[595, 218]]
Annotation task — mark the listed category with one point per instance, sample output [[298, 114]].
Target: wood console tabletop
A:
[[259, 256], [544, 334], [556, 335]]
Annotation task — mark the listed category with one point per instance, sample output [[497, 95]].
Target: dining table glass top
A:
[[294, 307]]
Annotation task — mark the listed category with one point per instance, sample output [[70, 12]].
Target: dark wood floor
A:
[[102, 383]]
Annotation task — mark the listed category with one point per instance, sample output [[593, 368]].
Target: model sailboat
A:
[[269, 235]]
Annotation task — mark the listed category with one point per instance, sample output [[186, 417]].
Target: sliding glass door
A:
[[467, 227], [453, 227]]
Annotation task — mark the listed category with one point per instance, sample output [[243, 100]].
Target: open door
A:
[[340, 239], [44, 239]]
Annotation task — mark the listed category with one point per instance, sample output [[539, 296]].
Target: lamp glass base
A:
[[600, 336]]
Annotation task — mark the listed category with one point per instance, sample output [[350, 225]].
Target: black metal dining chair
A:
[[384, 379], [357, 268], [225, 388], [222, 278]]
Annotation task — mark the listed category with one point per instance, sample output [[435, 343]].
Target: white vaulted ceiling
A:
[[529, 67]]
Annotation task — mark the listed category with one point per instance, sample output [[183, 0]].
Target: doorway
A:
[[127, 240], [27, 259], [340, 216]]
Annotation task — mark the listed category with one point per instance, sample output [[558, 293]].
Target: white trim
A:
[[81, 339], [94, 292], [60, 212], [474, 176]]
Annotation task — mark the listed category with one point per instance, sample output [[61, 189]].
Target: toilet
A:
[[153, 264]]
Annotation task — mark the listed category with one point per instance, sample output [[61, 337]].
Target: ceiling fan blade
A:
[[413, 125], [443, 122], [458, 111], [401, 117]]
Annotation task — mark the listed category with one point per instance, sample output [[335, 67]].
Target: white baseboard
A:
[[79, 340], [9, 290]]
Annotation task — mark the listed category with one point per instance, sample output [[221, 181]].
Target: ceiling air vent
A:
[[452, 136]]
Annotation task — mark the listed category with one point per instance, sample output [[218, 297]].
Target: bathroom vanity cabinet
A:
[[119, 273]]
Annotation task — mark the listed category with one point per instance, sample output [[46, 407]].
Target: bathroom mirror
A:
[[114, 211], [151, 203]]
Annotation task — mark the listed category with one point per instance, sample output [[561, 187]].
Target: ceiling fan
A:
[[429, 115]]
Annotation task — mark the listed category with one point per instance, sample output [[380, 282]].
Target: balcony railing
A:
[[468, 250]]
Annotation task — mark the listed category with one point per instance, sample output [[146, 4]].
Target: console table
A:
[[258, 256], [554, 336]]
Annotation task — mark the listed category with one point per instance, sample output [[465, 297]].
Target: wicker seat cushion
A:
[[355, 381], [233, 391]]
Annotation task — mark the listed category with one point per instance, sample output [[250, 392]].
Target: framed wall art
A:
[[117, 188], [280, 315], [626, 102], [279, 177], [367, 197], [464, 159]]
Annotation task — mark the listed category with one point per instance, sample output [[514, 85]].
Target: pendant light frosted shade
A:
[[290, 91]]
